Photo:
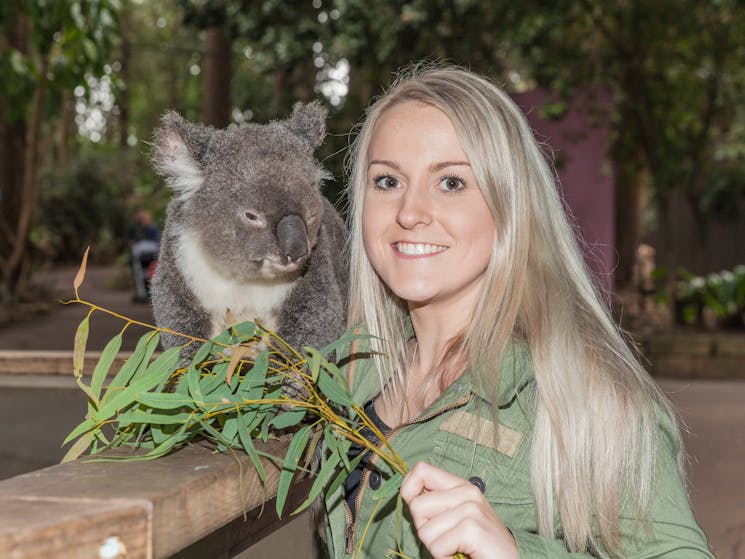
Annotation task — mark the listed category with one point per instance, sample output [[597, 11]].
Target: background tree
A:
[[674, 69], [45, 50]]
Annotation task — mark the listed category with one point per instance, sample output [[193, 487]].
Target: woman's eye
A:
[[452, 184], [386, 183]]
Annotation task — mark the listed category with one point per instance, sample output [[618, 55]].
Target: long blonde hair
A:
[[595, 425]]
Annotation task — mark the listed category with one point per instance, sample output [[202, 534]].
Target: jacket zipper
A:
[[351, 526]]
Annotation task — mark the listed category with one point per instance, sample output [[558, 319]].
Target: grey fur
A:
[[231, 189]]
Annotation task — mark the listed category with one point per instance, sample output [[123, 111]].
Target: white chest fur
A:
[[253, 300]]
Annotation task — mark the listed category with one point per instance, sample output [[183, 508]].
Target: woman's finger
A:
[[432, 503], [426, 477]]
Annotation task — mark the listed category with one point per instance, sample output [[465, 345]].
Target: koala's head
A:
[[249, 196]]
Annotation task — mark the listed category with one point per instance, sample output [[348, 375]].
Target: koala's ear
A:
[[178, 148], [309, 122]]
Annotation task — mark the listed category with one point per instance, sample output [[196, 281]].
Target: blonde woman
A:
[[492, 363]]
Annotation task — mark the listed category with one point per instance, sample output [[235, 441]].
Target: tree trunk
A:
[[216, 76], [29, 195], [627, 219], [123, 101], [13, 137]]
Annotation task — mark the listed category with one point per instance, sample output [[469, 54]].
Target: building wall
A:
[[578, 144]]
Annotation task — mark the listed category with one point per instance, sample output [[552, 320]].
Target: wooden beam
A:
[[35, 362], [154, 509]]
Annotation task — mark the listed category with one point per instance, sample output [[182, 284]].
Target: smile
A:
[[418, 249]]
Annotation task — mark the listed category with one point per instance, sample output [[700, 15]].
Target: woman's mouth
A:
[[418, 249]]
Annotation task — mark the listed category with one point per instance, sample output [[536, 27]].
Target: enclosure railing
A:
[[191, 504]]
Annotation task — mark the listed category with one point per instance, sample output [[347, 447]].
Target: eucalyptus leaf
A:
[[294, 452], [332, 390], [78, 354], [389, 487], [79, 447], [288, 419], [315, 362], [244, 435], [164, 400], [324, 475], [342, 475], [103, 366], [253, 382], [139, 359], [247, 329], [83, 427]]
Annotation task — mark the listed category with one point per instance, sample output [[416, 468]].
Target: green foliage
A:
[[71, 39], [722, 293], [229, 391], [85, 203]]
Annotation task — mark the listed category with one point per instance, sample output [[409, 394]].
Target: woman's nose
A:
[[415, 208]]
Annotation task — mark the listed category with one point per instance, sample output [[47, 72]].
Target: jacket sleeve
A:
[[673, 532]]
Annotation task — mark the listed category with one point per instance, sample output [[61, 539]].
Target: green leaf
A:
[[389, 487], [150, 379], [103, 366], [85, 426], [342, 343], [315, 362], [165, 447], [78, 354], [252, 385], [324, 475], [333, 391], [164, 400], [139, 359], [247, 329], [342, 475], [215, 379], [244, 428], [399, 521], [288, 419], [149, 418], [294, 452], [79, 447]]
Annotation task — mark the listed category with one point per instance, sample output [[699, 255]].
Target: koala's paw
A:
[[293, 389]]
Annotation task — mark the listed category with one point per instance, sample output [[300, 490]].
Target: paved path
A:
[[713, 412], [56, 331]]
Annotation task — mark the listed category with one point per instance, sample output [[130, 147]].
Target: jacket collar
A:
[[516, 371]]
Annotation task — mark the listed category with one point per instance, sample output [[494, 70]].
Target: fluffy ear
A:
[[309, 122], [178, 148]]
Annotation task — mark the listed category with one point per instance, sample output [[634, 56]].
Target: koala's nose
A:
[[293, 239]]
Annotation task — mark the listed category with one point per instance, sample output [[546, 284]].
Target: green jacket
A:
[[446, 435]]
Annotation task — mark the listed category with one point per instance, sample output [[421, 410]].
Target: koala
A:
[[248, 230]]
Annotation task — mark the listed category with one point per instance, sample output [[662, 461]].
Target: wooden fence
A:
[[192, 504]]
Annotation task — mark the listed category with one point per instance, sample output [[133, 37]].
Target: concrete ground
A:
[[711, 410]]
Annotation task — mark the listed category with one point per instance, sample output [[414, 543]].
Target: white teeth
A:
[[419, 248]]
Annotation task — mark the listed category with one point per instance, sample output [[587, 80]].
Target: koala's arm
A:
[[174, 305], [315, 311]]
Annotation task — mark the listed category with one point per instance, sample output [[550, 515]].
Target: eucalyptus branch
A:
[[231, 391]]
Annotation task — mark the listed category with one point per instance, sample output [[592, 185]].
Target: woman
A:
[[492, 363]]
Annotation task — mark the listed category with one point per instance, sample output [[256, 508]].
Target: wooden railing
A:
[[192, 504]]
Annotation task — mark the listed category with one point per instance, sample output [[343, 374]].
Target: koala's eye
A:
[[253, 218]]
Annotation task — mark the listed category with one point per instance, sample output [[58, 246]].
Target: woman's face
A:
[[426, 227]]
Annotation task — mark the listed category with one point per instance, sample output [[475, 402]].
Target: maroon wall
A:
[[578, 143]]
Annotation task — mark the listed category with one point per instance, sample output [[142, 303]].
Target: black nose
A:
[[293, 239]]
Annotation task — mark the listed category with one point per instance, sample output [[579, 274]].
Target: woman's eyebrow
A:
[[444, 164], [434, 167], [383, 162]]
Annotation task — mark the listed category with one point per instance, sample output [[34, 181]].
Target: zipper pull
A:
[[349, 538]]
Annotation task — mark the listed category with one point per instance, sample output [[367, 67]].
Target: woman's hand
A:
[[451, 516]]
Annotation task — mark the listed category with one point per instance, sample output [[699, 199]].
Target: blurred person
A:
[[144, 243]]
